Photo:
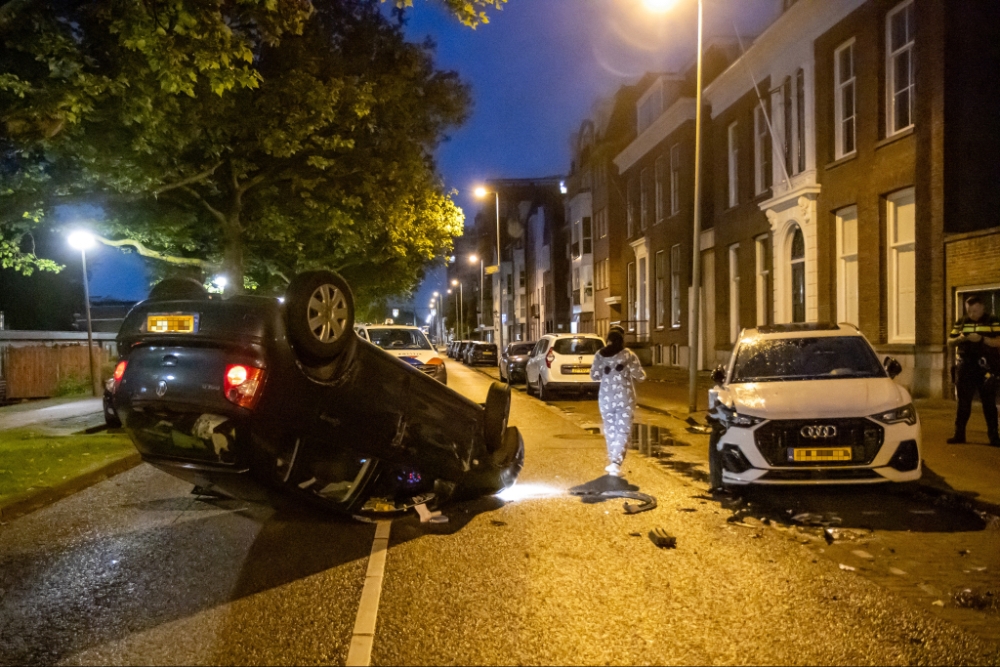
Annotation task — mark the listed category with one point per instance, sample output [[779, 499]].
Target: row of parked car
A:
[[473, 352]]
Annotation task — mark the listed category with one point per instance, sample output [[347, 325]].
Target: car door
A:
[[538, 353]]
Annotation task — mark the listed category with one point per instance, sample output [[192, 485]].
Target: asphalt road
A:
[[136, 570]]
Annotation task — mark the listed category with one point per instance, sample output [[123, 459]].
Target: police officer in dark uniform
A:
[[977, 338]]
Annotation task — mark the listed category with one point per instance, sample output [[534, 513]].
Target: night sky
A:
[[538, 68], [536, 71]]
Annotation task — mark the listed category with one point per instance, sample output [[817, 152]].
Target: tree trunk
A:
[[232, 256]]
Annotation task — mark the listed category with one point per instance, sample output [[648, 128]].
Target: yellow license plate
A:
[[183, 324], [831, 454]]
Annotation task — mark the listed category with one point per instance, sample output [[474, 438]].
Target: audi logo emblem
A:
[[817, 432]]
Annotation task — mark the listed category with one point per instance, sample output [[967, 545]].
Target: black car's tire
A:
[[497, 414], [178, 289], [319, 314], [714, 461]]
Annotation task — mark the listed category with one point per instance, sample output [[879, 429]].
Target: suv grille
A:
[[775, 438]]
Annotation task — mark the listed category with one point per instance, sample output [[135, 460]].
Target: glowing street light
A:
[[481, 192], [82, 240], [659, 6]]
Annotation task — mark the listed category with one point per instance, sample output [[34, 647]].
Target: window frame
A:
[[839, 112], [734, 292], [632, 293], [894, 249], [890, 70], [762, 152], [800, 121], [675, 179], [675, 286], [643, 199], [762, 277], [659, 204], [843, 260], [733, 158], [660, 288]]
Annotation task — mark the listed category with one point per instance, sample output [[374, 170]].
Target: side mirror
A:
[[719, 375], [892, 367]]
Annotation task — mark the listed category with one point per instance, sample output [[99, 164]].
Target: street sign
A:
[[490, 270]]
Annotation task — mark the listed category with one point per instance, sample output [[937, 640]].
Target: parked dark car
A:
[[463, 350], [513, 360], [482, 354], [453, 348], [248, 396]]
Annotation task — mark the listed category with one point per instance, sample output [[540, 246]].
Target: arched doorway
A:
[[797, 260]]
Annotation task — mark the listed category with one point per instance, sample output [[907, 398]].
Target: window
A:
[[847, 265], [588, 242], [601, 223], [643, 199], [734, 156], [630, 206], [632, 302], [675, 286], [649, 108], [901, 220], [660, 193], [734, 292], [800, 121], [786, 105], [660, 278], [843, 76], [763, 274], [798, 275], [762, 151], [899, 67], [675, 179]]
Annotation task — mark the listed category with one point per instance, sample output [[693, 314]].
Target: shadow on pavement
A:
[[58, 602]]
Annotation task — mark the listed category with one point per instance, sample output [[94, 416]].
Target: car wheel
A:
[[178, 289], [497, 414], [714, 461], [543, 393], [319, 312]]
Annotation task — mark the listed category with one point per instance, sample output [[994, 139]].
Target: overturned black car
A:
[[250, 395]]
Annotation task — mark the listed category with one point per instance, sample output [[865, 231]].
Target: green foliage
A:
[[263, 136], [73, 384]]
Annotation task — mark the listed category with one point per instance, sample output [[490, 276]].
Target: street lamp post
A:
[[694, 314], [81, 240], [461, 305], [482, 192]]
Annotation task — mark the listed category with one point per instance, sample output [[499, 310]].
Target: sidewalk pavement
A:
[[35, 412], [970, 471]]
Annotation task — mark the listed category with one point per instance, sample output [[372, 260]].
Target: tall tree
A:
[[265, 137]]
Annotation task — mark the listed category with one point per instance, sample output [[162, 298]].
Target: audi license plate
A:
[[172, 323], [815, 455]]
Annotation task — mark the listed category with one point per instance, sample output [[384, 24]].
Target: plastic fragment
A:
[[846, 568]]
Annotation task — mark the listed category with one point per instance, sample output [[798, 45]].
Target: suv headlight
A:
[[904, 415], [732, 418]]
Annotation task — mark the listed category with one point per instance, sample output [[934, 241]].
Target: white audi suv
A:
[[810, 404]]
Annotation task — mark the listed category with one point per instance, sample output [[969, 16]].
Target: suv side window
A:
[[540, 347]]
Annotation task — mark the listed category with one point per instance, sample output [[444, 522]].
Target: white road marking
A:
[[360, 653]]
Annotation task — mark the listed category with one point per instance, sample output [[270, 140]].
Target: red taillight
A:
[[549, 358], [119, 372], [242, 384]]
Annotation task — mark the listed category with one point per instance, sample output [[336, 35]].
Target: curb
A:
[[47, 496]]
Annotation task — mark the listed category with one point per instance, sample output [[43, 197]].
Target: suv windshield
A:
[[823, 358], [577, 346], [399, 339]]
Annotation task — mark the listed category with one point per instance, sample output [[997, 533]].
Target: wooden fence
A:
[[39, 364]]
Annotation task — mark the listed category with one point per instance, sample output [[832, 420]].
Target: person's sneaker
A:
[[956, 440], [995, 441], [614, 470]]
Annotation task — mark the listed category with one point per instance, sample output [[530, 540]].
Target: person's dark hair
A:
[[973, 300], [616, 343]]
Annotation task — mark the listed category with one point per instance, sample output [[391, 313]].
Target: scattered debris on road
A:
[[662, 539], [847, 568]]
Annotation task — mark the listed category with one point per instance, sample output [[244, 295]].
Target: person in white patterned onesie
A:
[[617, 369]]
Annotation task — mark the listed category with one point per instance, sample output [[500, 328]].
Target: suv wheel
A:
[[319, 312]]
